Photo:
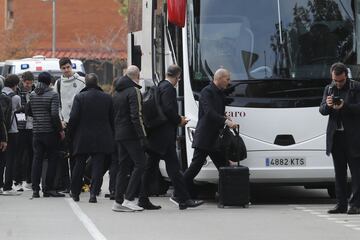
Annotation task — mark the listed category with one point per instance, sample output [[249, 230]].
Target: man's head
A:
[[27, 79], [173, 73], [45, 77], [11, 81], [66, 66], [91, 80], [339, 74], [222, 78], [133, 73]]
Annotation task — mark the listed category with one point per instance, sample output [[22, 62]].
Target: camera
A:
[[336, 100]]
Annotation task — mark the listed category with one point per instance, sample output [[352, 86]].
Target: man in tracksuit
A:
[[68, 86], [47, 132]]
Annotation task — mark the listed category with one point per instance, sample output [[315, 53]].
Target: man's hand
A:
[[184, 121], [63, 123], [3, 146], [329, 101], [338, 106], [231, 124]]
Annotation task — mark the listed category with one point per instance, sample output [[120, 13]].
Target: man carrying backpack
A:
[[11, 83]]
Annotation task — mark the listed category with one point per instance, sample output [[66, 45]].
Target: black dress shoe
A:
[[112, 196], [92, 199], [52, 194], [190, 204], [338, 209], [75, 197], [36, 194], [353, 210], [146, 204]]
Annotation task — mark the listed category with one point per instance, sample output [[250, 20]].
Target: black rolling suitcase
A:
[[234, 187]]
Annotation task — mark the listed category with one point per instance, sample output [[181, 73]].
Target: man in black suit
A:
[[162, 142], [130, 138], [211, 120], [90, 130], [341, 101]]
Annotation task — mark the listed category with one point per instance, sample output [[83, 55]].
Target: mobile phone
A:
[[337, 100]]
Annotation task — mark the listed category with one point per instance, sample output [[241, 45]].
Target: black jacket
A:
[[211, 117], [127, 106], [349, 115], [44, 108], [91, 122], [3, 132], [162, 137]]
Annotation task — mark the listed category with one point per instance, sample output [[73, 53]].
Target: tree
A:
[[16, 44], [124, 7]]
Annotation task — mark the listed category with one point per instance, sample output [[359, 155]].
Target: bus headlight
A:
[[191, 132]]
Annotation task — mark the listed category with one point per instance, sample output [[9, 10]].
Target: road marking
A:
[[350, 221], [86, 221]]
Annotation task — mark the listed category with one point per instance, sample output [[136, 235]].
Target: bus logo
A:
[[235, 114]]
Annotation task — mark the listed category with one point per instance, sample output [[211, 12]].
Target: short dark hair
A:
[[91, 79], [45, 77], [11, 80], [27, 76], [173, 70], [64, 60], [338, 69]]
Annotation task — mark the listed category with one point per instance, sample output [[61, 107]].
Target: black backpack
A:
[[6, 106], [153, 114]]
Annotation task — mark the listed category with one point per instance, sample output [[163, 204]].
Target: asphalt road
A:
[[275, 213]]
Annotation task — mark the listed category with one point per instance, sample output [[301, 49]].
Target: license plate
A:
[[285, 162]]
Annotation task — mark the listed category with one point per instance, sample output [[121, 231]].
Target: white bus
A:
[[38, 64], [279, 53]]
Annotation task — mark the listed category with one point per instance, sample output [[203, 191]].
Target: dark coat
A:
[[161, 137], [127, 106], [91, 125], [211, 117], [349, 114]]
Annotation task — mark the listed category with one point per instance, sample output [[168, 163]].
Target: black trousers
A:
[[24, 156], [198, 161], [44, 143], [173, 170], [97, 166], [342, 159], [65, 164], [10, 157], [2, 168], [113, 166], [130, 153]]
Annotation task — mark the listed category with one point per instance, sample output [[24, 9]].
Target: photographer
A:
[[341, 101]]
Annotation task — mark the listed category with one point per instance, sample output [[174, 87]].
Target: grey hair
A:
[[132, 72], [221, 72], [91, 79]]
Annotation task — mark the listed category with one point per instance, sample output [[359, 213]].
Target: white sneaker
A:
[[132, 205], [18, 188], [117, 207], [11, 192], [27, 186]]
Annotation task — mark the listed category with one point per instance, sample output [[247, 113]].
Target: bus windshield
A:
[[292, 43]]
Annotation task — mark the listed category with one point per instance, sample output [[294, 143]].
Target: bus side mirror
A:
[[177, 12]]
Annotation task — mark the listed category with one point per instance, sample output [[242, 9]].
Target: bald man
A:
[[130, 138], [212, 118]]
